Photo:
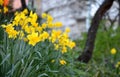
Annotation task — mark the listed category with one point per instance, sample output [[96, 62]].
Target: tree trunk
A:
[[23, 3], [119, 13], [88, 50]]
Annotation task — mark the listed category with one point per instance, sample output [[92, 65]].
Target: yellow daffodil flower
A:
[[63, 62], [113, 51], [67, 30], [44, 15], [5, 9], [33, 38], [118, 64]]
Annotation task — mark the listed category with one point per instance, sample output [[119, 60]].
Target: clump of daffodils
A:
[[25, 27], [3, 6]]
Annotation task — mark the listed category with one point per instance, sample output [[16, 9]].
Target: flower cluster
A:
[[25, 27], [3, 6], [60, 40]]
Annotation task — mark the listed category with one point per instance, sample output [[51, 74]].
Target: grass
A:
[[103, 62]]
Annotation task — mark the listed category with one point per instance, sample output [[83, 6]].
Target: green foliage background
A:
[[103, 62]]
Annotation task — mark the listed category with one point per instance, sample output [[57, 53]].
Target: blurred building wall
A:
[[72, 13]]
